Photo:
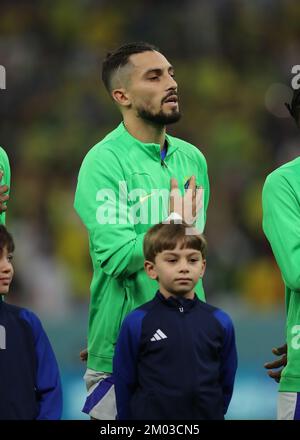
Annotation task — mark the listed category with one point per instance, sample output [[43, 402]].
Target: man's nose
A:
[[172, 84]]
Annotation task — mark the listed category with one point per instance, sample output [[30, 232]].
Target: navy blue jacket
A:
[[175, 359], [30, 385]]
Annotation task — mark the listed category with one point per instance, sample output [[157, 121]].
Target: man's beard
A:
[[160, 118]]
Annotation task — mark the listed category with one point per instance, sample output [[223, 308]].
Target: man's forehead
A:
[[149, 60]]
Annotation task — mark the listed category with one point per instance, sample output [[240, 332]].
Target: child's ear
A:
[[150, 269], [203, 268]]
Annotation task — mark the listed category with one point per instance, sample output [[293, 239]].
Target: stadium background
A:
[[233, 61]]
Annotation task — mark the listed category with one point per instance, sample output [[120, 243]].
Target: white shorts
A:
[[288, 406], [101, 400]]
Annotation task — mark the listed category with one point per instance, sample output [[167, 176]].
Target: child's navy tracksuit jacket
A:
[[30, 386], [175, 359]]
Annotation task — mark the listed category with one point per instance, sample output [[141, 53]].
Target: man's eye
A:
[[153, 78]]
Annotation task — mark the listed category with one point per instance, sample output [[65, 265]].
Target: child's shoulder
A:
[[219, 314], [138, 314], [12, 309], [24, 314]]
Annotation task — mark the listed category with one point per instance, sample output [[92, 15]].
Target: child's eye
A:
[[172, 260], [10, 257], [194, 260]]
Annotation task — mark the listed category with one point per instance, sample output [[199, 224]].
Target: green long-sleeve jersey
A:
[[122, 190], [281, 224], [5, 168]]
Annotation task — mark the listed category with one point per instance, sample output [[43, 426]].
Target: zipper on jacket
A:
[[181, 309], [163, 163]]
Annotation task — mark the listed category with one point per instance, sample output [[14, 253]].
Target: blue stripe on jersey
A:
[[48, 379], [228, 356], [124, 373], [297, 409], [97, 394], [163, 152]]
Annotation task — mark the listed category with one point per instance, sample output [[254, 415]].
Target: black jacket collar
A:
[[178, 302]]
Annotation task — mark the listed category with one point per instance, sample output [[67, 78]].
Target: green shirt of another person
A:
[[124, 188], [4, 184], [281, 225]]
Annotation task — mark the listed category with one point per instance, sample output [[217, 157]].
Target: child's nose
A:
[[184, 267], [6, 267]]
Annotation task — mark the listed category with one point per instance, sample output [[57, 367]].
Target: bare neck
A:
[[145, 131], [167, 294]]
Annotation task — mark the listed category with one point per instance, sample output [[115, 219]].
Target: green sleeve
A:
[[281, 225], [206, 200], [201, 220], [114, 243], [5, 167]]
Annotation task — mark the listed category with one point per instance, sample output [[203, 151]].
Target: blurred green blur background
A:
[[233, 61]]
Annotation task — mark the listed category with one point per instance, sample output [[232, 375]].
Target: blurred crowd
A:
[[229, 55]]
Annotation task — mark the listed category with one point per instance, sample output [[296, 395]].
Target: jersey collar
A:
[[178, 302], [151, 149]]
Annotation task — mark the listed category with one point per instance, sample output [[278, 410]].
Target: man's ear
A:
[[150, 269], [120, 96]]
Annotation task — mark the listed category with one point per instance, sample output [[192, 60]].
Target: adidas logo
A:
[[158, 335]]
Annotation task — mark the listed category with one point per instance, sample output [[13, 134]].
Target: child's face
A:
[[6, 271], [177, 271]]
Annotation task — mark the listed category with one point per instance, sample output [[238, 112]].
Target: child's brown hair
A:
[[6, 240], [166, 236]]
